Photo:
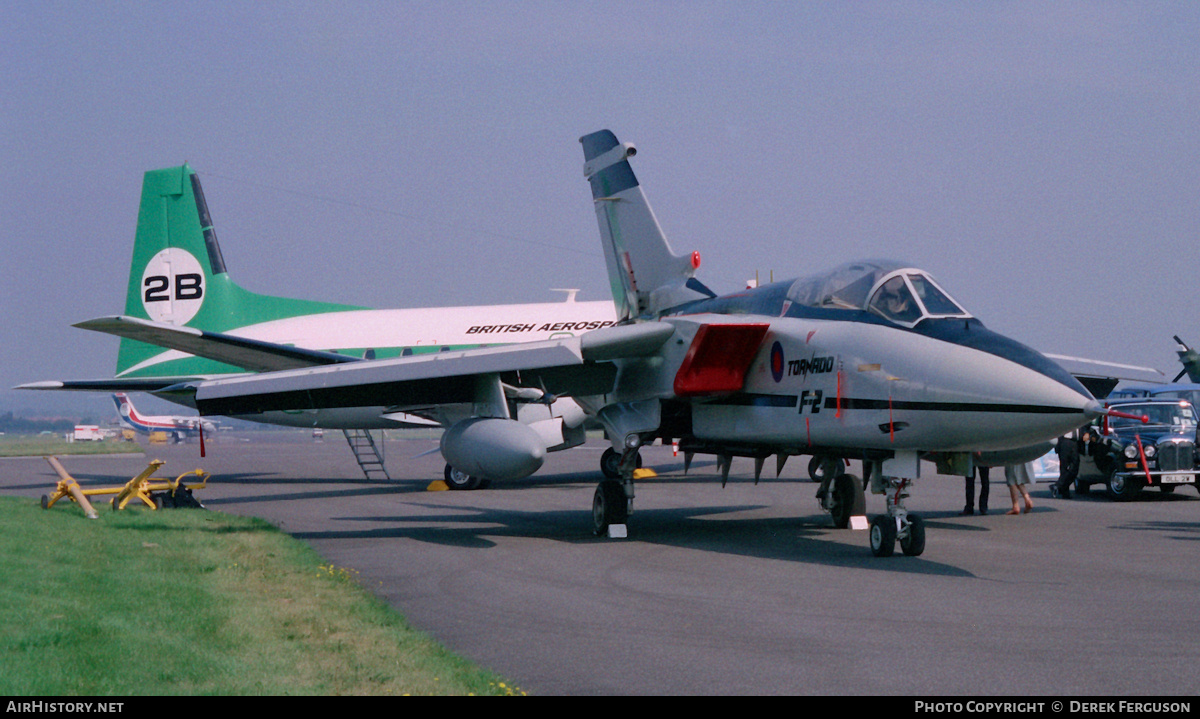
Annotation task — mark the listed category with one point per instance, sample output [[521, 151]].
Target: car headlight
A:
[[1150, 450], [1130, 451]]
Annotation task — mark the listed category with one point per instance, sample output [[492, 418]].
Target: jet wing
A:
[[570, 366], [252, 355]]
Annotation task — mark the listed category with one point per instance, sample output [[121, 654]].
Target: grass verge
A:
[[197, 602]]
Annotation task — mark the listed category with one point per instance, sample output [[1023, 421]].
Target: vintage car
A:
[[1128, 455]]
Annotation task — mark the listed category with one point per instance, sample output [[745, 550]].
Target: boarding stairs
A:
[[366, 453]]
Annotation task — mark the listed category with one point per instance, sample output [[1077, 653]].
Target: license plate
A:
[[1178, 478]]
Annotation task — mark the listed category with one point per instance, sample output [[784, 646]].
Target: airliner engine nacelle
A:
[[494, 448]]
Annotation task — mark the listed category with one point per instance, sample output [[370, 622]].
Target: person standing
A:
[[1067, 450], [984, 490], [1018, 478]]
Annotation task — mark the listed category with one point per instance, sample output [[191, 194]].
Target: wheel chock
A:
[[859, 522], [618, 531], [645, 473], [438, 485]]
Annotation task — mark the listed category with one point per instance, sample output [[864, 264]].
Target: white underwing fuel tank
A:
[[501, 449]]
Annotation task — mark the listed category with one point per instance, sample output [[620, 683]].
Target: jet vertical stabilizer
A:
[[647, 277]]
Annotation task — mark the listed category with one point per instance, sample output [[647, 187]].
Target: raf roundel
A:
[[172, 287], [777, 362]]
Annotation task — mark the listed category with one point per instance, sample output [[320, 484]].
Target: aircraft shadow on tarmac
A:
[[1179, 531], [797, 539], [332, 488]]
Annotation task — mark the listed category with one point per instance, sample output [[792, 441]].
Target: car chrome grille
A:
[[1175, 456]]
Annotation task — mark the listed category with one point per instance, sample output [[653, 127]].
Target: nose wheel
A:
[[897, 525]]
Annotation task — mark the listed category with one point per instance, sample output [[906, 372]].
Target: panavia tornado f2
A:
[[871, 360]]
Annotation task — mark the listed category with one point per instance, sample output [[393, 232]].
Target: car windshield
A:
[[1191, 395], [1174, 414], [898, 293]]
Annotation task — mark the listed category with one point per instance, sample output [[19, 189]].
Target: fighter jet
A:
[[872, 360]]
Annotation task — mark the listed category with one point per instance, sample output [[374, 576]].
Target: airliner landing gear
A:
[[842, 496], [458, 479], [897, 524]]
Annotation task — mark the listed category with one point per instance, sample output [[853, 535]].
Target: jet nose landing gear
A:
[[897, 524]]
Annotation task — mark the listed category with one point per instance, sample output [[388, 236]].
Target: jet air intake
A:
[[494, 448]]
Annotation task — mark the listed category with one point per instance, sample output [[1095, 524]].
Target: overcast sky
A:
[[1041, 160]]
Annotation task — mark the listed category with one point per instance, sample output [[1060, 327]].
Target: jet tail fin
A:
[[646, 275]]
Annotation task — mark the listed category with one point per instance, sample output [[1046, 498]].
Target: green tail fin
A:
[[178, 276]]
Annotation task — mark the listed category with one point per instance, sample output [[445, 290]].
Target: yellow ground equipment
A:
[[156, 493], [67, 487]]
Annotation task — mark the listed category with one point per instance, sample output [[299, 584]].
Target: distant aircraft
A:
[[1190, 359], [180, 297], [872, 360], [180, 426]]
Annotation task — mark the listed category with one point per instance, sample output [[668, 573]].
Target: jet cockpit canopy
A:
[[898, 293]]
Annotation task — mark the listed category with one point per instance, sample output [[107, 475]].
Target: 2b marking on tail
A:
[[172, 286]]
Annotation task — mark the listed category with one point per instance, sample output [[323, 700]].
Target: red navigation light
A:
[[696, 260]]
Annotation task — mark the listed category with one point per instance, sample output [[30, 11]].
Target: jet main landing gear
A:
[[842, 496]]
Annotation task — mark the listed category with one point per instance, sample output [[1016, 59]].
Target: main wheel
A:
[[914, 544], [820, 467], [45, 501], [883, 535], [458, 479], [609, 506], [1123, 488], [848, 499], [610, 463]]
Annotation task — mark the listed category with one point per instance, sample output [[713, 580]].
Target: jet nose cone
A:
[[1002, 395], [1038, 400]]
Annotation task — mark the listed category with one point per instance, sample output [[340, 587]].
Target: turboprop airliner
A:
[[180, 426], [872, 360], [186, 321]]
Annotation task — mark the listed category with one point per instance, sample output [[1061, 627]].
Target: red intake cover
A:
[[717, 361]]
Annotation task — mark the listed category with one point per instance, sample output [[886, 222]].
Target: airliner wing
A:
[[135, 384], [572, 366], [1101, 377], [252, 355]]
